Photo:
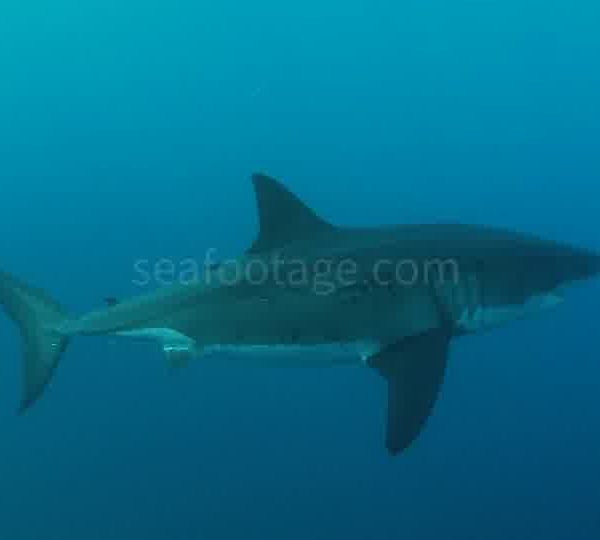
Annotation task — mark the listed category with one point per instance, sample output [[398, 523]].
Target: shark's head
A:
[[520, 276], [559, 266]]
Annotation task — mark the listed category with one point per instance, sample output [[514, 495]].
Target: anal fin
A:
[[179, 357]]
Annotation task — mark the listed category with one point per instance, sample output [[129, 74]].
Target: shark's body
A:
[[309, 293]]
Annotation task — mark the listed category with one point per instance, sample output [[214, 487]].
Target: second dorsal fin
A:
[[282, 216]]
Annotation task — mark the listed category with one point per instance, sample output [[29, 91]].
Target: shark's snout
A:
[[595, 265], [583, 265]]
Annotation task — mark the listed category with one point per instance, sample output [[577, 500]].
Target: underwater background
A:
[[129, 130]]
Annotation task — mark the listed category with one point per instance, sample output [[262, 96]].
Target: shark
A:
[[307, 292]]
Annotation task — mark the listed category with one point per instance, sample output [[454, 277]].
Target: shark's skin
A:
[[308, 293]]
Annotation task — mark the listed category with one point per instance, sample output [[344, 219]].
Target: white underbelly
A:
[[293, 355], [296, 355]]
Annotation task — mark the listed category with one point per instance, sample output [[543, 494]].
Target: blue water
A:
[[129, 130]]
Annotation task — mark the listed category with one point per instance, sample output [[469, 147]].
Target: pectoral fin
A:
[[414, 370]]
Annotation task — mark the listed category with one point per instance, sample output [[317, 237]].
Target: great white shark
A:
[[310, 293]]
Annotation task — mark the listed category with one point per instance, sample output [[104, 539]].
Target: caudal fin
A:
[[38, 317]]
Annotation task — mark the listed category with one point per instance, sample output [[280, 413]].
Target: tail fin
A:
[[38, 317]]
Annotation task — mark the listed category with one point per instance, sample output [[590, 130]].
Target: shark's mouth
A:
[[485, 317]]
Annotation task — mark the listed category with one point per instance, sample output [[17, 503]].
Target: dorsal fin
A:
[[282, 216]]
